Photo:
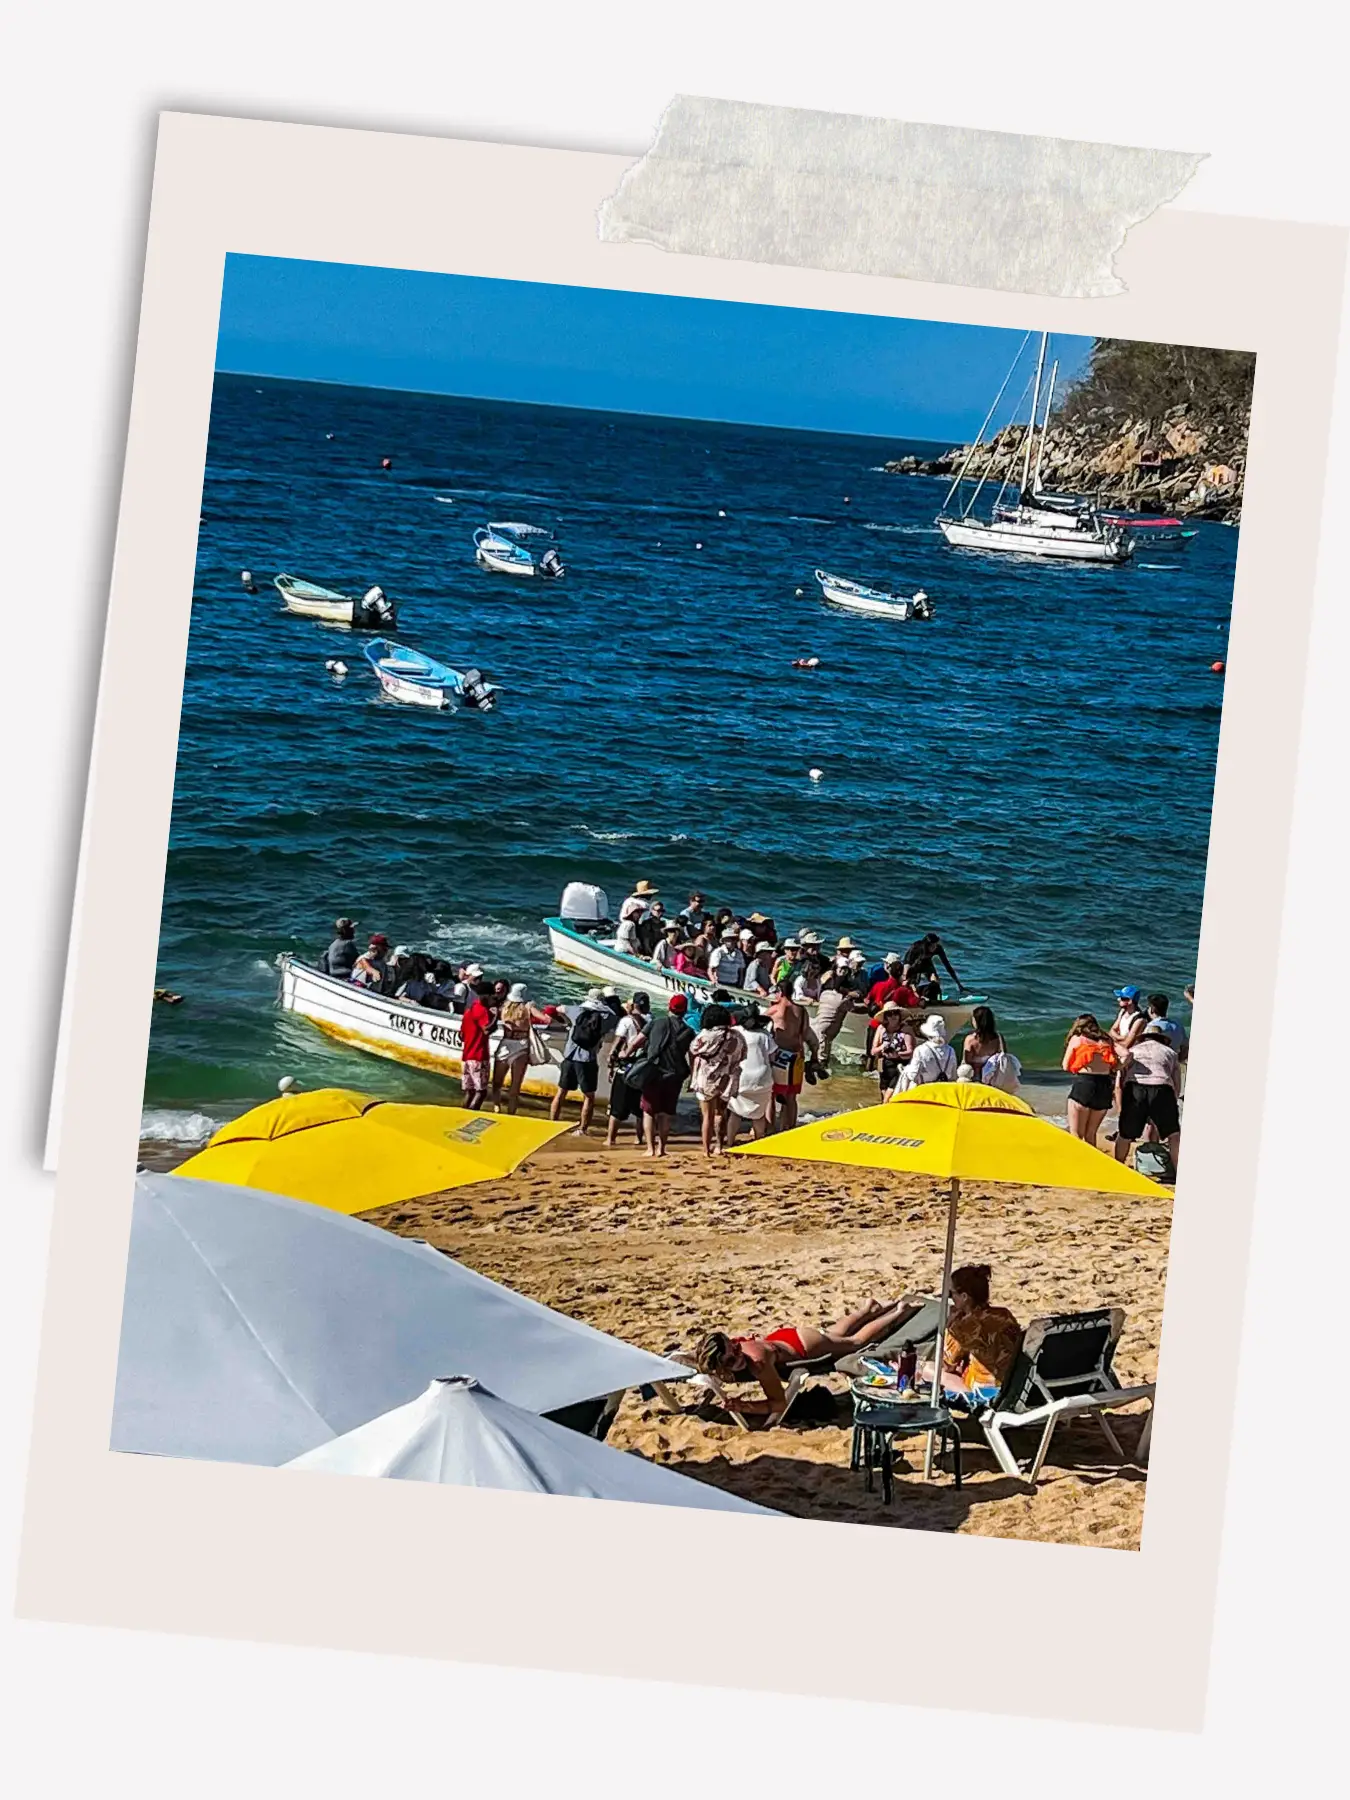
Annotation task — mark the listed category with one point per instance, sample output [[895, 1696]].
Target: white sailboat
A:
[[1031, 525]]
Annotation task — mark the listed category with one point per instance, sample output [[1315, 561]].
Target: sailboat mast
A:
[[1035, 409], [1045, 428]]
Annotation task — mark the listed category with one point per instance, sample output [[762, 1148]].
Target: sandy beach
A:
[[660, 1253]]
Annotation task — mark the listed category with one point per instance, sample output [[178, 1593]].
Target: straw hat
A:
[[846, 943], [934, 1028], [763, 947], [645, 887], [808, 937], [892, 1006]]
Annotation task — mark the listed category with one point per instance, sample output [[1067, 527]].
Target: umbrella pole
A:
[[947, 1259]]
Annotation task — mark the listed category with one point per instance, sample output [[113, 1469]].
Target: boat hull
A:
[[504, 565], [964, 534], [401, 1031], [902, 610], [597, 958], [415, 693]]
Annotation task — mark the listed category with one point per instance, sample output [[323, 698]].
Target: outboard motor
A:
[[550, 563], [476, 691], [375, 608], [584, 906]]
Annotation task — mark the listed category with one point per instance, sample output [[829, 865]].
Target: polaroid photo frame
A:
[[478, 1575]]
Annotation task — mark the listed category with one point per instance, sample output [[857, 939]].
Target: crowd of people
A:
[[746, 1055], [1135, 1064]]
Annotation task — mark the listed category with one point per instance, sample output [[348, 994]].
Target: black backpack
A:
[[589, 1027], [1155, 1161]]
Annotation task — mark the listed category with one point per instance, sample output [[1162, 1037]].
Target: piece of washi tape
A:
[[989, 209]]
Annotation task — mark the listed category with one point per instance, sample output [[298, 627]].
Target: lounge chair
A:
[[798, 1374], [1063, 1368], [919, 1329]]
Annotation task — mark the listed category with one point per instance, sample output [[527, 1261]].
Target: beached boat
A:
[[590, 950], [419, 680], [876, 603], [1034, 524], [370, 611], [513, 548], [401, 1030]]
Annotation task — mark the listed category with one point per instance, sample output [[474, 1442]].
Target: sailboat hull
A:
[[1029, 540]]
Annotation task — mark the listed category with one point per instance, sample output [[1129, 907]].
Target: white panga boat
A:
[[419, 680], [1034, 524], [514, 548], [876, 603], [371, 611], [581, 938], [403, 1031]]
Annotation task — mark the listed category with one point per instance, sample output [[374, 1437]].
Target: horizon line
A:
[[560, 406]]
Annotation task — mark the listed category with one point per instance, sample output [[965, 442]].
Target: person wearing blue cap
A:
[[1130, 1020]]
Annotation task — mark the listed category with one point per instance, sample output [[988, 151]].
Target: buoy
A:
[[698, 546], [815, 774], [287, 1084], [339, 669], [330, 435], [1217, 668], [386, 462], [246, 576], [720, 513], [845, 499]]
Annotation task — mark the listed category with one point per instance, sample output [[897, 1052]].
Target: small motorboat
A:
[[370, 611], [416, 680], [875, 602], [513, 548]]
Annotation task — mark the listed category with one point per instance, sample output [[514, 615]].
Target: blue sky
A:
[[621, 352]]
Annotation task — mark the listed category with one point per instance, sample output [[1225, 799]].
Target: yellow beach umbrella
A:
[[956, 1131], [352, 1152]]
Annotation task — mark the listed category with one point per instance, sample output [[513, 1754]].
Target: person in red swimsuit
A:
[[764, 1358]]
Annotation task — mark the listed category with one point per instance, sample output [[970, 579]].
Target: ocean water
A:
[[1031, 772]]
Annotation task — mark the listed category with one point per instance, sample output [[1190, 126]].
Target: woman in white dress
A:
[[751, 1102]]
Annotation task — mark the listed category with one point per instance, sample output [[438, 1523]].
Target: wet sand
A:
[[659, 1253]]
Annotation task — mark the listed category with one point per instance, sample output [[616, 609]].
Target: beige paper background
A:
[[567, 1583]]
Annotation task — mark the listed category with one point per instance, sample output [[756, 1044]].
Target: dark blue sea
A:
[[1031, 772]]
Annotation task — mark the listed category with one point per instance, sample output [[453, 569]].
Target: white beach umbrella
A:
[[461, 1435], [255, 1327]]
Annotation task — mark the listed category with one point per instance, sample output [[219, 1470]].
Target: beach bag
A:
[[1155, 1161], [538, 1052], [589, 1027], [1002, 1071]]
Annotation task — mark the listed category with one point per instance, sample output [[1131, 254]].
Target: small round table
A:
[[878, 1421]]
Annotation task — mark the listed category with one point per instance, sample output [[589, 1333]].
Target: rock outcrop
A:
[[1189, 458]]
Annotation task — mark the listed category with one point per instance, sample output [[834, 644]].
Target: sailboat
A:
[[1063, 526]]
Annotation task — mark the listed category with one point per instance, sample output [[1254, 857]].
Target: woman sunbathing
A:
[[764, 1358]]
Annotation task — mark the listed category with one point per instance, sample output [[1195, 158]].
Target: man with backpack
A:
[[580, 1067]]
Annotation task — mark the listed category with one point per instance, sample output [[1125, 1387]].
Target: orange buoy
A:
[[1217, 668]]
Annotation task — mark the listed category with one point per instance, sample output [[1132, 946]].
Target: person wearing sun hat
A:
[[726, 965], [933, 1060]]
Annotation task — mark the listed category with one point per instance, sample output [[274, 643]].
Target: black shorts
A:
[[1141, 1106], [1096, 1092], [582, 1075], [624, 1101]]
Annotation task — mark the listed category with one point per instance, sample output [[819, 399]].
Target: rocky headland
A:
[[1151, 427]]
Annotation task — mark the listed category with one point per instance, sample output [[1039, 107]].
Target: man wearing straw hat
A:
[[636, 911]]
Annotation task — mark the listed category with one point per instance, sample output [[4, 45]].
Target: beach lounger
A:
[[1063, 1368], [798, 1374]]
